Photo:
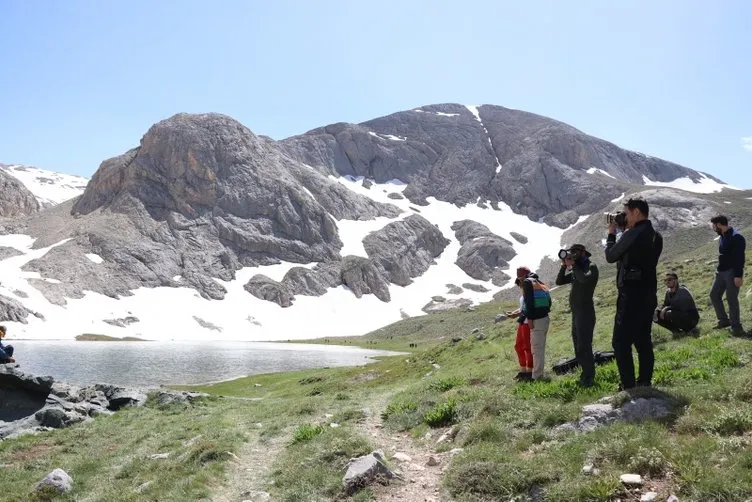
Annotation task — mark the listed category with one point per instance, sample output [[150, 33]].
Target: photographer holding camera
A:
[[577, 270], [636, 254]]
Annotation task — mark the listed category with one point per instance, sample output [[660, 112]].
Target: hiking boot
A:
[[739, 332], [524, 376], [722, 324]]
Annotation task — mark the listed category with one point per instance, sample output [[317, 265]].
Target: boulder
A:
[[635, 410], [56, 481], [483, 253], [405, 249], [265, 288], [364, 470], [362, 276]]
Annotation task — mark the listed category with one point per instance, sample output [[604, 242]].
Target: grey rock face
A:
[[313, 282], [405, 249], [6, 252], [479, 288], [362, 276], [164, 398], [519, 237], [453, 289], [12, 310], [446, 305], [58, 480], [362, 471], [15, 198], [265, 288], [31, 403], [200, 197], [122, 321], [449, 154], [482, 253]]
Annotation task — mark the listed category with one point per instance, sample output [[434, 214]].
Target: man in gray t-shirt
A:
[[679, 312]]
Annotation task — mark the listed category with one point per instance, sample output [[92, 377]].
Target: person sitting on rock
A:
[[679, 312], [6, 351]]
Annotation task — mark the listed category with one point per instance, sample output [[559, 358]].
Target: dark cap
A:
[[580, 248], [523, 272]]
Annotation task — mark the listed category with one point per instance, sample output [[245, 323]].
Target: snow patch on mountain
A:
[[474, 110], [50, 188], [171, 313], [594, 170], [705, 185]]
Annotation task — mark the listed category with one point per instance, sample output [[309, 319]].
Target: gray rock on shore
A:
[[30, 403]]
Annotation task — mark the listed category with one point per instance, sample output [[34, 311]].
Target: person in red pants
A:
[[522, 342]]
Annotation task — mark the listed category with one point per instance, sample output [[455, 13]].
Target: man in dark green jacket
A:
[[679, 312], [577, 270]]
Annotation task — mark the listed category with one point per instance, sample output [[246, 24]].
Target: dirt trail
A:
[[249, 470], [421, 477]]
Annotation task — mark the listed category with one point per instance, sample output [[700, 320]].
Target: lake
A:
[[150, 364]]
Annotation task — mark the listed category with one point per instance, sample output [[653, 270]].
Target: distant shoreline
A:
[[89, 337]]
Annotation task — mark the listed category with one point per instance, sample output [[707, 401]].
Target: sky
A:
[[83, 80]]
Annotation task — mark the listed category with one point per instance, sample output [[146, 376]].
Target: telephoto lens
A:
[[563, 254]]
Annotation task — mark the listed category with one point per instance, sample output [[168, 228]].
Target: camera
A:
[[619, 218], [564, 254]]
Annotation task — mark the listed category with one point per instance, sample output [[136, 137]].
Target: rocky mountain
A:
[[208, 230], [542, 168]]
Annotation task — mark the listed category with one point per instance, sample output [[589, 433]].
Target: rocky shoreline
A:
[[31, 404]]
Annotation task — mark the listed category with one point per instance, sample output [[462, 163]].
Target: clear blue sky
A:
[[81, 81]]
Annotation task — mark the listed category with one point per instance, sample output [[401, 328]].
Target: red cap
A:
[[522, 272]]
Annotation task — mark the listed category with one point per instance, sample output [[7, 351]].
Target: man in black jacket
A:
[[636, 254], [679, 312], [577, 270], [729, 275]]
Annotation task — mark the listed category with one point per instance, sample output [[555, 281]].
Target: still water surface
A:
[[150, 364]]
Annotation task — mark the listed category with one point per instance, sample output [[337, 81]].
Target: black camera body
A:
[[567, 253], [620, 219]]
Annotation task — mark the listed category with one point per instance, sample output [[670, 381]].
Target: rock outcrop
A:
[[12, 310], [639, 409], [15, 198], [405, 249], [363, 277], [265, 288], [483, 254], [31, 403]]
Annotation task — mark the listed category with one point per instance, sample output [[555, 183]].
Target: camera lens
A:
[[563, 253]]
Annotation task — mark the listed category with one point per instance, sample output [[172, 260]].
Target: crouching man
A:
[[679, 312]]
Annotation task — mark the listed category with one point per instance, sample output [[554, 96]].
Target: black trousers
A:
[[583, 324], [632, 326], [679, 321]]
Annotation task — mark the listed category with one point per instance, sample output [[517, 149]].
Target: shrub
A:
[[649, 462], [441, 414], [306, 432], [446, 384]]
